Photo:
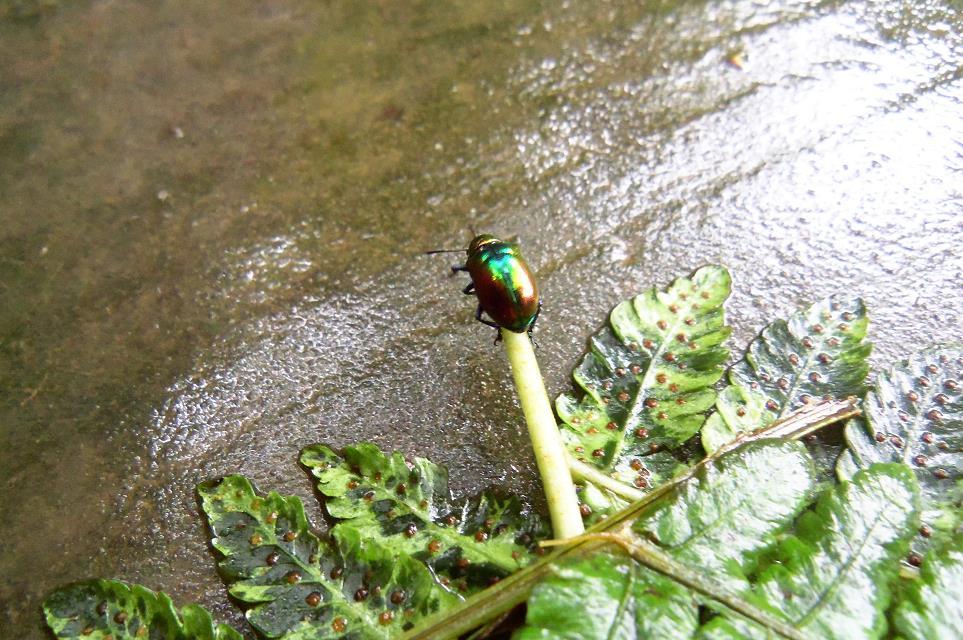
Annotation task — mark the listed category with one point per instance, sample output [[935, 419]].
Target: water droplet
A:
[[272, 558], [397, 597], [290, 536], [292, 577], [338, 625], [661, 324], [313, 599]]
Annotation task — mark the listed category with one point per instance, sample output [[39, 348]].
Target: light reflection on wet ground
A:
[[272, 296]]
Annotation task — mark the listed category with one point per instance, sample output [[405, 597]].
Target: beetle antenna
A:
[[444, 251]]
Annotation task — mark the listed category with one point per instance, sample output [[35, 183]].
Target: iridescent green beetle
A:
[[504, 284]]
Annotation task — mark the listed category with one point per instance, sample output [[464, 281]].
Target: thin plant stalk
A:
[[543, 431]]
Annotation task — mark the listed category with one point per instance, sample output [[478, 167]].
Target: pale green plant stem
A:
[[582, 471], [543, 431]]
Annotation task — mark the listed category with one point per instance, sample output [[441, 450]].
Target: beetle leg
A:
[[455, 268], [478, 316], [531, 327], [469, 289]]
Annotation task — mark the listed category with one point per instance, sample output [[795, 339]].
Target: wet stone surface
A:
[[210, 219]]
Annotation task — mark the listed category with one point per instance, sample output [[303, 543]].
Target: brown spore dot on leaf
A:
[[451, 520], [896, 441], [920, 460], [927, 437], [793, 359], [654, 447], [336, 573], [912, 396], [660, 378], [290, 536], [935, 415], [771, 405], [585, 510], [361, 594], [271, 517], [817, 328], [256, 539], [598, 453], [824, 358], [668, 356], [674, 308], [941, 399], [120, 617], [272, 558], [941, 474], [636, 464], [951, 385], [914, 559], [101, 608], [401, 489], [843, 327], [782, 383], [641, 432], [651, 403], [680, 337], [635, 369], [480, 536], [640, 482], [807, 342], [932, 368], [434, 546], [368, 496], [923, 381], [411, 530], [674, 388], [611, 426], [619, 372], [926, 531], [815, 376], [313, 599], [741, 412], [623, 396], [292, 577], [662, 324], [338, 625], [662, 415], [352, 484], [833, 341], [880, 437], [647, 343]]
